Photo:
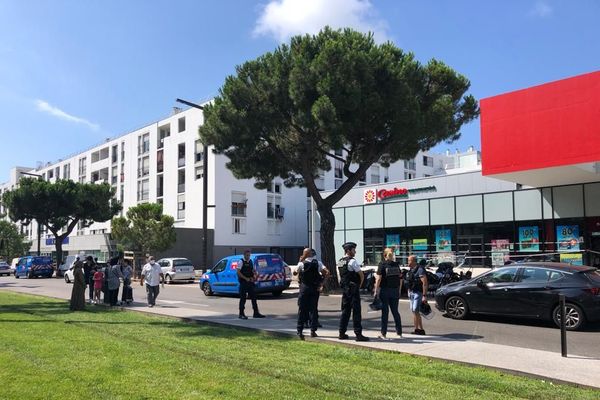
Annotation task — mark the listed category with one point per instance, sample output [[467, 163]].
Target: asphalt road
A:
[[531, 334]]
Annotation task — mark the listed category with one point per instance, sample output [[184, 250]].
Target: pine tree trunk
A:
[[327, 245], [58, 247]]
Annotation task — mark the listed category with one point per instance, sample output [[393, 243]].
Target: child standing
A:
[[98, 282]]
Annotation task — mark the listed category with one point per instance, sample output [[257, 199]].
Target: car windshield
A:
[[182, 263], [593, 276]]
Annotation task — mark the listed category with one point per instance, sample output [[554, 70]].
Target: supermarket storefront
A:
[[537, 194]]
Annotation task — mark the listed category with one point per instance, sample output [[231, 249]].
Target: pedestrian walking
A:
[[153, 276], [311, 273], [127, 295], [416, 280], [351, 279], [98, 278], [78, 292], [388, 282], [114, 280], [246, 277]]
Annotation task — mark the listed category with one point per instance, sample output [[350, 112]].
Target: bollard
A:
[[563, 325]]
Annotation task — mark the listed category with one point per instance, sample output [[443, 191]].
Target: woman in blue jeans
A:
[[388, 282]]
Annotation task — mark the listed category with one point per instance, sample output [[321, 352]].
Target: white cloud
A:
[[541, 9], [57, 112], [285, 18]]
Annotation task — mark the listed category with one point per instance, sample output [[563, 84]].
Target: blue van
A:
[[34, 267], [223, 279]]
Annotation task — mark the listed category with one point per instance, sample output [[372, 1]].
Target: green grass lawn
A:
[[48, 352]]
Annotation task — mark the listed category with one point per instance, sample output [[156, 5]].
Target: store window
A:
[[354, 217], [417, 213], [442, 211], [498, 207], [528, 205], [395, 215], [373, 216], [374, 245], [469, 209], [568, 201]]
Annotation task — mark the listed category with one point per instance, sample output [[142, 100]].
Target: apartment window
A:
[[122, 196], [67, 171], [428, 161], [181, 206], [181, 155], [122, 173], [115, 154], [199, 155], [50, 174], [338, 183], [374, 174], [181, 181], [273, 206], [238, 204], [82, 166], [100, 155], [239, 226], [143, 190], [57, 172], [159, 161], [277, 188], [159, 186], [163, 132], [409, 175], [113, 175], [181, 124], [143, 143], [143, 166], [199, 172], [410, 164], [122, 151], [100, 175], [339, 169]]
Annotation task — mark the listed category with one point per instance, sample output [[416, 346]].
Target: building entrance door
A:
[[473, 247]]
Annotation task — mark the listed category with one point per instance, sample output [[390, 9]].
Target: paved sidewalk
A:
[[542, 364]]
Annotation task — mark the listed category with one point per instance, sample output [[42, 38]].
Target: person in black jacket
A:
[[351, 279], [311, 274], [388, 282], [246, 276]]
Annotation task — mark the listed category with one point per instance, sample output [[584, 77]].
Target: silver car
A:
[[177, 269]]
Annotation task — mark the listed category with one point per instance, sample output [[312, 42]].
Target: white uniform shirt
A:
[[309, 259], [353, 265], [151, 273]]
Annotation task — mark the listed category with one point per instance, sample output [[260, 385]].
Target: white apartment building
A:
[[163, 162]]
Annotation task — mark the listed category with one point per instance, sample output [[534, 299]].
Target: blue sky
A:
[[75, 72]]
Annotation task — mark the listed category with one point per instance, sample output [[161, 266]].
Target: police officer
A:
[[311, 273], [351, 278], [246, 277]]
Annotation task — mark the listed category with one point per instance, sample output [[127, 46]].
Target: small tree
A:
[[145, 229], [60, 206], [286, 113], [12, 243]]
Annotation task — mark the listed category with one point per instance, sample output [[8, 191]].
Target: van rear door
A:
[[270, 271]]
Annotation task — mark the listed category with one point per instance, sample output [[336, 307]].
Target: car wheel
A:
[[67, 280], [207, 289], [277, 293], [456, 307], [575, 319], [168, 279]]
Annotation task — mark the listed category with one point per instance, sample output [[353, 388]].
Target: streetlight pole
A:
[[204, 192], [39, 227]]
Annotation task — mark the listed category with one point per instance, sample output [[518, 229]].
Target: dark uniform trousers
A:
[[307, 307], [247, 290], [351, 304]]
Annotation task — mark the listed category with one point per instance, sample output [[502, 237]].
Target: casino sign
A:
[[372, 196]]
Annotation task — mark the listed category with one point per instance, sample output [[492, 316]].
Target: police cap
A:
[[349, 245]]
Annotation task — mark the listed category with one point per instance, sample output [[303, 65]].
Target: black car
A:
[[530, 290]]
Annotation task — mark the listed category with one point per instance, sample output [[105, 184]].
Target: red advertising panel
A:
[[550, 125]]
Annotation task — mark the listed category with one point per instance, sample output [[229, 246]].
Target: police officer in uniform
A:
[[351, 278], [311, 273], [246, 278]]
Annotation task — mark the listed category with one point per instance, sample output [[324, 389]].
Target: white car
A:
[[177, 269], [69, 277], [5, 269]]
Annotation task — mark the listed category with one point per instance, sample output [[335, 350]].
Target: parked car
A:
[[69, 276], [5, 269], [527, 290], [68, 264], [222, 278], [34, 267], [288, 275], [177, 269]]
